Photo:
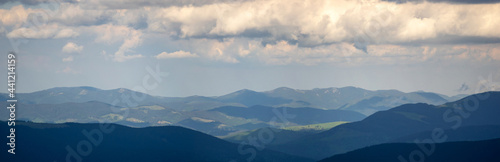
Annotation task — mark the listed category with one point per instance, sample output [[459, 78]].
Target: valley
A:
[[251, 124]]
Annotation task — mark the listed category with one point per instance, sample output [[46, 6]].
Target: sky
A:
[[215, 47]]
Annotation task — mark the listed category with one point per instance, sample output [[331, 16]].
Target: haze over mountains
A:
[[325, 98], [293, 123], [220, 115]]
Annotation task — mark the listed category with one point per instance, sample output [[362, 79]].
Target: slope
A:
[[398, 122], [487, 151], [63, 142]]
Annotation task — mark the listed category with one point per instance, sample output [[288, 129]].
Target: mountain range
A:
[[346, 98], [399, 122], [279, 125], [223, 113]]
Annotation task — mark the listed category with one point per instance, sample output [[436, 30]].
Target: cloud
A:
[[121, 57], [35, 2], [71, 47], [68, 70], [283, 53], [222, 51], [132, 41], [448, 1], [307, 23], [495, 53], [109, 33], [129, 37], [226, 50], [75, 15], [176, 54], [314, 23], [67, 59], [130, 4], [15, 15], [319, 31], [43, 32]]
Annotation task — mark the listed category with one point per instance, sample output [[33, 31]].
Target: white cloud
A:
[[68, 59], [309, 32], [71, 47], [272, 31], [176, 54], [310, 23], [495, 53], [14, 16], [132, 41], [319, 22], [66, 33], [109, 33], [73, 14], [129, 37], [284, 53], [129, 4], [68, 70], [226, 50], [222, 51], [121, 57], [43, 32]]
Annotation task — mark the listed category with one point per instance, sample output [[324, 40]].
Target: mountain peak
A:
[[89, 88], [244, 91], [282, 89], [352, 87], [60, 89]]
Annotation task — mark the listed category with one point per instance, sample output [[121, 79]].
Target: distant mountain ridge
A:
[[476, 117], [88, 104], [346, 98], [357, 99]]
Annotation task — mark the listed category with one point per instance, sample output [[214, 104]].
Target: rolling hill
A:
[[238, 111], [300, 116], [487, 151], [465, 133], [211, 127], [405, 120], [279, 136], [95, 142], [282, 135], [315, 127]]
